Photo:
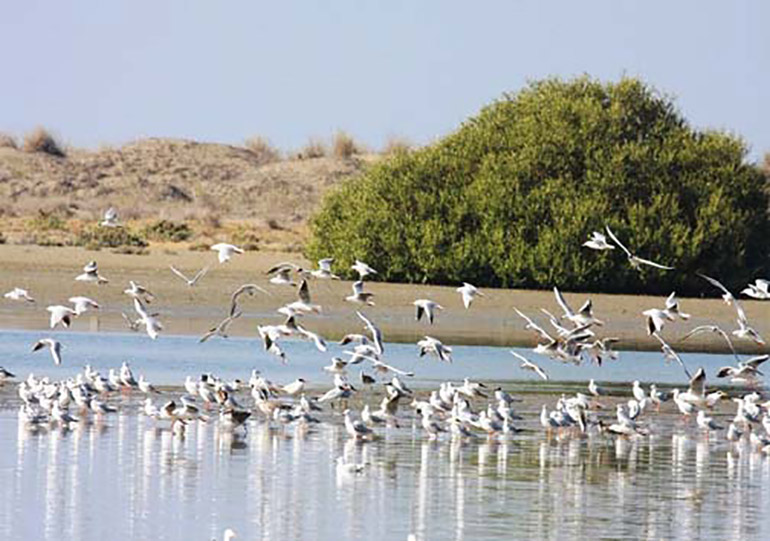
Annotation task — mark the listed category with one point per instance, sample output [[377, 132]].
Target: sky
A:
[[105, 73]]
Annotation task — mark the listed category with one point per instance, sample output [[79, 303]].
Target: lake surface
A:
[[128, 477]]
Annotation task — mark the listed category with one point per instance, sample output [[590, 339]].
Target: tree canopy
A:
[[508, 199]]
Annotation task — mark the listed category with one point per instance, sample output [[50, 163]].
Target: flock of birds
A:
[[464, 411]]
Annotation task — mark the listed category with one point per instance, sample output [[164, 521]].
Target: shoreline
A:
[[48, 272]]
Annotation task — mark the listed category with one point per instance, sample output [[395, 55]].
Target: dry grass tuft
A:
[[40, 140], [395, 145], [315, 148], [343, 146], [8, 141], [264, 151]]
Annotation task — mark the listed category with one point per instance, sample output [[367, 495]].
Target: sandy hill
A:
[[174, 179]]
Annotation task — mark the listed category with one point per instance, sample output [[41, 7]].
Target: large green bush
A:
[[508, 199]]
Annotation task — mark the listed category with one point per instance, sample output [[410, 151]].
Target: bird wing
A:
[[303, 292], [282, 267], [669, 351], [651, 263], [420, 312], [245, 288], [698, 383], [140, 309], [534, 326], [56, 352], [178, 273], [563, 303], [717, 284], [613, 237], [358, 287], [376, 332], [201, 273], [326, 264], [754, 362]]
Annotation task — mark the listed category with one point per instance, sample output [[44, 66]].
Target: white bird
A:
[[91, 274], [228, 535], [294, 388], [727, 296], [639, 394], [61, 315], [594, 389], [189, 281], [145, 386], [469, 292], [337, 366], [432, 345], [706, 423], [375, 331], [582, 317], [526, 364], [359, 295], [656, 319], [324, 269], [362, 269], [19, 294], [137, 291], [249, 289], [635, 261], [110, 218], [282, 273], [54, 346], [355, 428], [427, 307], [225, 251], [672, 305], [82, 304], [220, 329], [598, 241], [150, 321], [744, 330], [759, 290], [714, 329]]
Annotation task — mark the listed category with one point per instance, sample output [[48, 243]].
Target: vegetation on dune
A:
[[96, 237], [40, 140], [508, 199], [168, 231]]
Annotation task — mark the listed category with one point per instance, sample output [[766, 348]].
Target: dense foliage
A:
[[508, 199]]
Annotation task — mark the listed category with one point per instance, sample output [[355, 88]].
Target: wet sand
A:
[[48, 272]]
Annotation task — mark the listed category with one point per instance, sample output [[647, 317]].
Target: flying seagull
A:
[[91, 274], [225, 251], [634, 260], [526, 364], [597, 241], [19, 294], [468, 292], [190, 281], [54, 346]]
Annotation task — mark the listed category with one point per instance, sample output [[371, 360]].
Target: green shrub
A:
[[508, 199], [46, 221], [168, 231], [109, 237]]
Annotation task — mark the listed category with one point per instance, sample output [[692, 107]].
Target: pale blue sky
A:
[[221, 70]]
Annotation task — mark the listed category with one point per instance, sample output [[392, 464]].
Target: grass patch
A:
[[8, 141], [315, 148], [264, 151], [343, 146]]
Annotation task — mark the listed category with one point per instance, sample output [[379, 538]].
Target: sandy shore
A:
[[49, 275]]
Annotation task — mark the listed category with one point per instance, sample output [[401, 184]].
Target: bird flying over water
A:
[[54, 347], [189, 281]]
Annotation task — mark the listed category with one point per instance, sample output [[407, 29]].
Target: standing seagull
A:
[[91, 274], [19, 294], [468, 292], [597, 241], [363, 269], [190, 281], [54, 346], [225, 251], [635, 261], [427, 307]]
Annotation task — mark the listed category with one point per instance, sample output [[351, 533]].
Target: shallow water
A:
[[128, 477]]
